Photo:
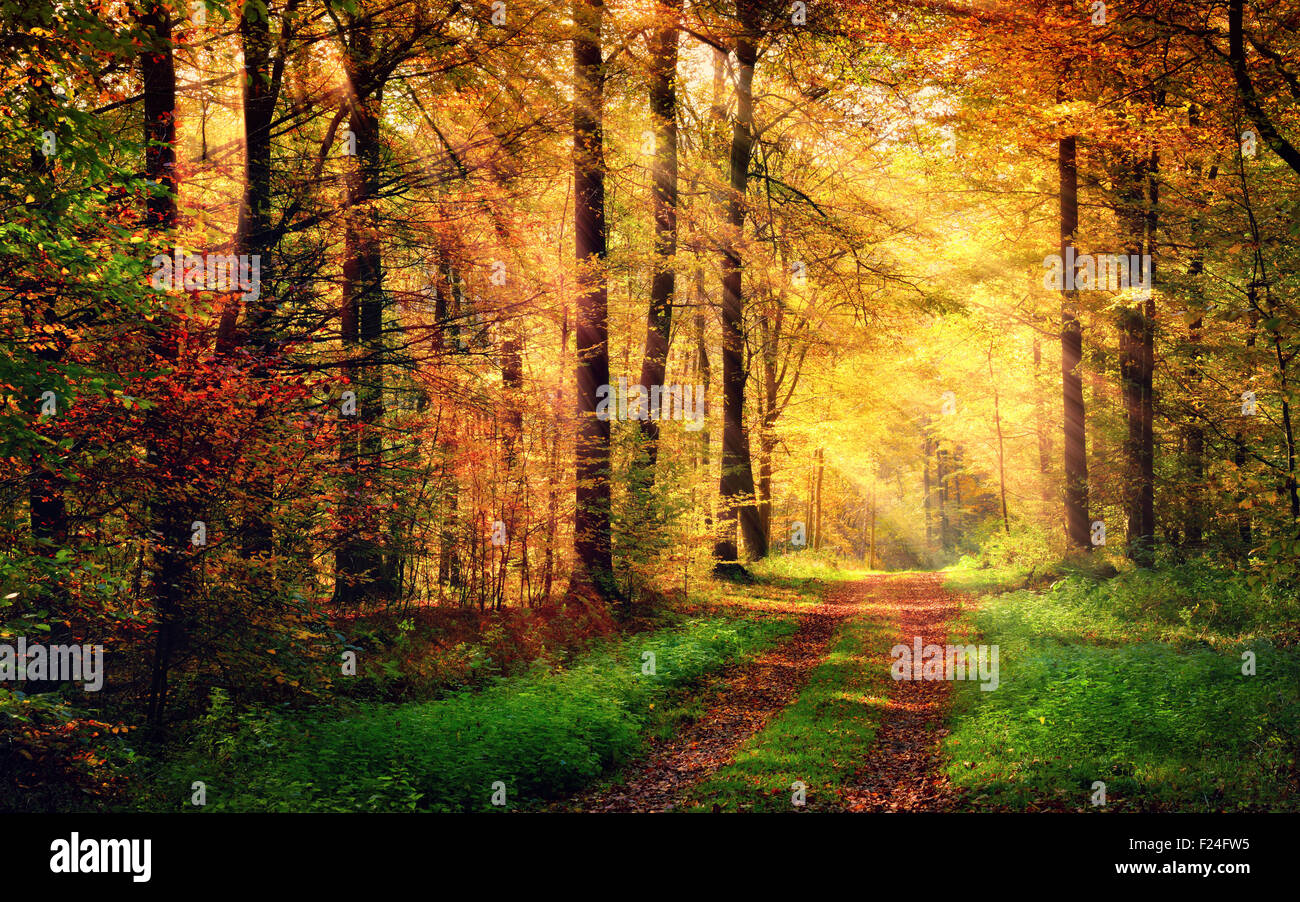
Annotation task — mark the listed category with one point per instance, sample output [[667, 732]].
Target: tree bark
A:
[[253, 238], [1077, 526], [358, 564], [593, 567], [170, 508], [1246, 89], [1137, 337], [663, 110], [737, 483]]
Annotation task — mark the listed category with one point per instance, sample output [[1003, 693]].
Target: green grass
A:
[[1135, 681], [541, 734], [806, 567], [819, 739], [961, 578]]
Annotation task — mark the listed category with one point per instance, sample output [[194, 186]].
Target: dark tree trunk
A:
[[253, 237], [703, 368], [737, 484], [1246, 89], [663, 110], [1194, 431], [593, 567], [1137, 337], [358, 562], [1077, 526], [170, 508], [47, 505]]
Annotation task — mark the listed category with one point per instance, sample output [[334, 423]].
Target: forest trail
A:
[[750, 695], [899, 771]]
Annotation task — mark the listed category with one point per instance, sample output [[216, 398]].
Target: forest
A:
[[649, 405]]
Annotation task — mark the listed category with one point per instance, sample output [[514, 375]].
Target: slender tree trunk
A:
[[941, 480], [817, 512], [359, 564], [927, 453], [170, 515], [1245, 521], [1002, 464], [1194, 432], [47, 504], [663, 110], [1136, 358], [591, 526], [253, 238], [770, 336], [1076, 456], [1044, 435], [871, 563], [736, 487], [1246, 89]]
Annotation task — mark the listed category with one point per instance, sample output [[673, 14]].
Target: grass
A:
[[819, 739], [539, 735], [808, 568], [1135, 681]]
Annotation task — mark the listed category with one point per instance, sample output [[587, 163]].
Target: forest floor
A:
[[741, 701], [902, 770], [882, 756]]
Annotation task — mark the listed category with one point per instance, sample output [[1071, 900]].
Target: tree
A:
[[737, 484], [591, 524]]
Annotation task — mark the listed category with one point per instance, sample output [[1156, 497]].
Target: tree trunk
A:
[[253, 237], [47, 504], [359, 565], [1136, 357], [593, 567], [817, 500], [1044, 435], [1077, 526], [663, 110], [1194, 432], [737, 483], [1002, 464], [170, 517], [927, 453], [941, 481]]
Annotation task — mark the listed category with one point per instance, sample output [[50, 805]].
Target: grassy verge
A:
[[817, 740], [540, 734], [1135, 681]]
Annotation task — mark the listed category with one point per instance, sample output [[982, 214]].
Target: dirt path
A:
[[901, 769], [752, 694]]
